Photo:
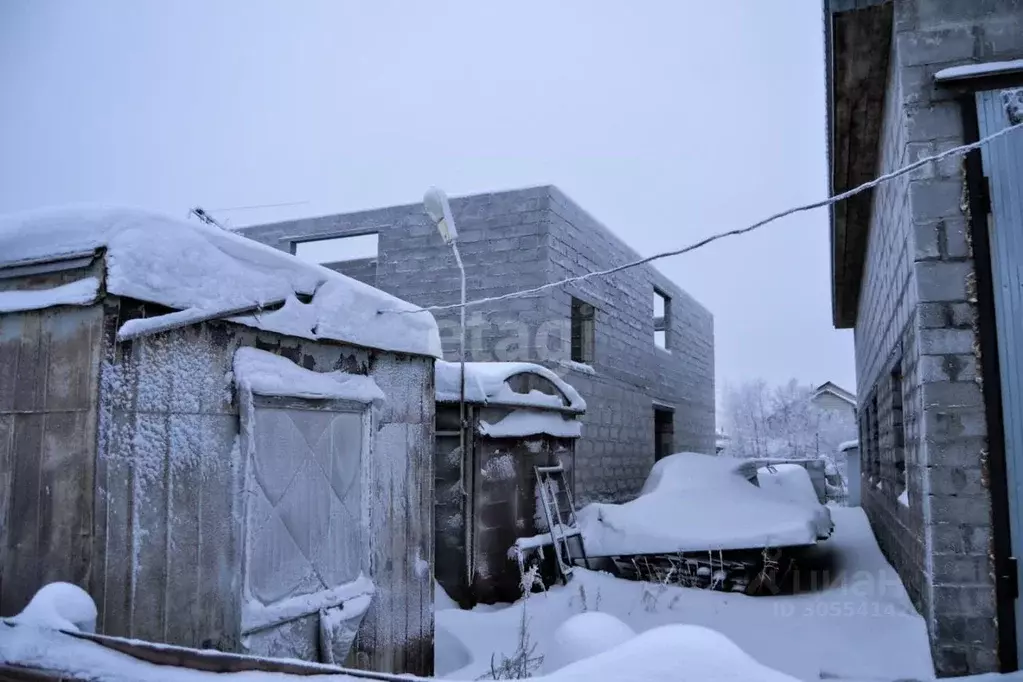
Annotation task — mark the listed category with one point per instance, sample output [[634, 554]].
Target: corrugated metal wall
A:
[[1003, 166]]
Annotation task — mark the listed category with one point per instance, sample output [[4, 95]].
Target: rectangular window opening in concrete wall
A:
[[874, 440], [664, 432], [583, 320], [662, 319], [898, 429], [338, 249]]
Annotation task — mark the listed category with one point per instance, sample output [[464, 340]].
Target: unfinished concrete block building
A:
[[637, 347], [926, 270]]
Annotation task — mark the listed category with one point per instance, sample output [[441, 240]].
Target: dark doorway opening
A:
[[664, 432]]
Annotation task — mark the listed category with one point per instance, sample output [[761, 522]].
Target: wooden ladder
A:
[[559, 510]]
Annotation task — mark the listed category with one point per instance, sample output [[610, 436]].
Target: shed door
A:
[[305, 521], [1003, 166]]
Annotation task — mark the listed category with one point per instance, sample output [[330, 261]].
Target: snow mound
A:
[[672, 653], [485, 382], [449, 652], [194, 267], [264, 373], [692, 502], [442, 600], [585, 635], [59, 606], [791, 483]]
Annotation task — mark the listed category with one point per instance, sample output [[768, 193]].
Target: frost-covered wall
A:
[[166, 560], [502, 495]]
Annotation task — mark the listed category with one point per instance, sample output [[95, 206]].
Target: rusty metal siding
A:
[[49, 362]]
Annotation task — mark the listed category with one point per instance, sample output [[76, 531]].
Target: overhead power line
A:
[[955, 151], [251, 208]]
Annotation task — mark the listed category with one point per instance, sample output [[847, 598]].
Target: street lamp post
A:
[[437, 207], [439, 210]]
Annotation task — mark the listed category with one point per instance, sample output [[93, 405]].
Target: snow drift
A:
[[692, 502], [60, 606], [584, 635], [676, 653]]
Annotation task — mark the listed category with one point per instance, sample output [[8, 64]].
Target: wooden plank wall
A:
[[49, 364], [168, 520], [397, 634], [172, 523]]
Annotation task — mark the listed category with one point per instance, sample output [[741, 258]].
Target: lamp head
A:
[[437, 207]]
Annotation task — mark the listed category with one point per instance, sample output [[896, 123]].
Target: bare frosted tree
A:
[[781, 421]]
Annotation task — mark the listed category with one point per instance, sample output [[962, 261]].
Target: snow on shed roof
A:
[[196, 267], [486, 382]]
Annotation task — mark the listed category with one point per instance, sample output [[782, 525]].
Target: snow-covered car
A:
[[791, 482], [702, 521]]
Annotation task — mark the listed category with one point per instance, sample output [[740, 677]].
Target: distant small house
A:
[[226, 447], [520, 416], [830, 396]]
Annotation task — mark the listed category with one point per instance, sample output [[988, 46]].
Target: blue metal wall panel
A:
[[1003, 166]]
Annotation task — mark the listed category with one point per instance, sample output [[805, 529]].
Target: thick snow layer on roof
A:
[[523, 423], [190, 265], [791, 483], [978, 70], [848, 445], [264, 373], [82, 292], [485, 382], [694, 502]]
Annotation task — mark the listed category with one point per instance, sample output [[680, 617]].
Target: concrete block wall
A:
[[525, 238], [629, 372], [916, 299]]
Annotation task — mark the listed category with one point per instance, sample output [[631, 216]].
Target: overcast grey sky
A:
[[667, 120]]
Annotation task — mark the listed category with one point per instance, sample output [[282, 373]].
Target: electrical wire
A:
[[955, 151]]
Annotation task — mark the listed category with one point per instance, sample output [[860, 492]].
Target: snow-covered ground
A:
[[861, 627]]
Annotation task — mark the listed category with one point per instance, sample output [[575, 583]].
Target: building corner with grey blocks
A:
[[637, 347]]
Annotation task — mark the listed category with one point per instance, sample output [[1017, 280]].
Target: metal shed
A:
[[226, 447], [519, 416]]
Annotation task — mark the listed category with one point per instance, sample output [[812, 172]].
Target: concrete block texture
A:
[[917, 313], [526, 238]]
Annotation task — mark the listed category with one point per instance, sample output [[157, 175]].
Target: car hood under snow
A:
[[691, 503]]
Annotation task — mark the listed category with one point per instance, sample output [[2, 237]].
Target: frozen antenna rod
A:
[[202, 215]]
